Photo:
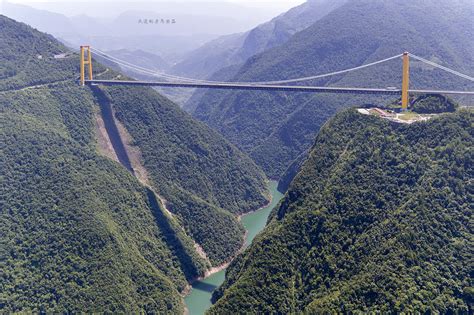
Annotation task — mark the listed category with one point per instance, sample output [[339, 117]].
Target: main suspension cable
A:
[[431, 63], [185, 79]]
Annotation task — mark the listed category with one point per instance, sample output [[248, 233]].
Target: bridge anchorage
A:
[[281, 85]]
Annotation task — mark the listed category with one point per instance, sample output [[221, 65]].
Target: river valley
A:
[[199, 299]]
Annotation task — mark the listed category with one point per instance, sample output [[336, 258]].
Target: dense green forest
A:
[[276, 128], [432, 104], [79, 231], [377, 220]]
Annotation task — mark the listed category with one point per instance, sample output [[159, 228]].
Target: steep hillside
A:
[[79, 231], [275, 128], [205, 180], [378, 220]]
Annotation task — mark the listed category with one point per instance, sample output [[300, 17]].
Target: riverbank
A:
[[224, 265], [240, 216]]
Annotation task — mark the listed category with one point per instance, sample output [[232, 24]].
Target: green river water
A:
[[199, 300]]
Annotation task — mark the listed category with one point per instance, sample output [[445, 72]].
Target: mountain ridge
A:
[[377, 220]]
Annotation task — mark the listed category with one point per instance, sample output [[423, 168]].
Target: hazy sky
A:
[[289, 3], [267, 8]]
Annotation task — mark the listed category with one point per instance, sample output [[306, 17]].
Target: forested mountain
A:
[[237, 48], [275, 128], [79, 231], [377, 220]]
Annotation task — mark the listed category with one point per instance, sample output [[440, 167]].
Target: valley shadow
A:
[[111, 128], [173, 242]]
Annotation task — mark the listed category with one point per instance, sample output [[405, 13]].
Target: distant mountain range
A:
[[164, 29], [168, 30], [237, 48]]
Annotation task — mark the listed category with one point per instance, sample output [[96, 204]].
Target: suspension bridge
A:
[[280, 85]]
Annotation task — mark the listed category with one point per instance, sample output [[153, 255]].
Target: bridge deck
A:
[[286, 88]]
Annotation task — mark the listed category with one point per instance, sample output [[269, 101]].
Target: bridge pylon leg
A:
[[85, 62], [405, 80]]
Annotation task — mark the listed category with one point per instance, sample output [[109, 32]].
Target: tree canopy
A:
[[377, 220]]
